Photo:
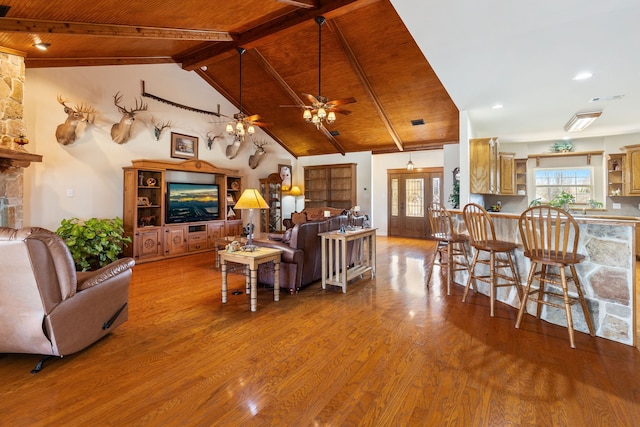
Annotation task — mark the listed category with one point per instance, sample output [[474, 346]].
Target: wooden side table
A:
[[334, 256], [252, 260]]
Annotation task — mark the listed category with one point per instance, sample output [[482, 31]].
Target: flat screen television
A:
[[192, 202]]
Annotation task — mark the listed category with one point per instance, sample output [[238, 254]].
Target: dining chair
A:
[[449, 244], [482, 237], [550, 237]]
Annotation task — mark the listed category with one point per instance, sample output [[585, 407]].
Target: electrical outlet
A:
[[69, 192]]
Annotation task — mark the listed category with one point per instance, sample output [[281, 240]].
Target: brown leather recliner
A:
[[45, 306]]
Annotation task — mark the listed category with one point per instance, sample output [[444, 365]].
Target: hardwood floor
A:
[[389, 352]]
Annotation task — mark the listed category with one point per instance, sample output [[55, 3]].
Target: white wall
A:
[[91, 168]]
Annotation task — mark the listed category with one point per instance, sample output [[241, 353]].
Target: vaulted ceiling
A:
[[367, 54]]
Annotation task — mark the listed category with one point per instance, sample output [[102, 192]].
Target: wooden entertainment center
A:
[[145, 206]]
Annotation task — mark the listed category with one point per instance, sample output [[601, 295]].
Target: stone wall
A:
[[12, 78], [607, 275]]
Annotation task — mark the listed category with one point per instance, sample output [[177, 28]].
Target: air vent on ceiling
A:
[[4, 10], [606, 98], [417, 122], [334, 133]]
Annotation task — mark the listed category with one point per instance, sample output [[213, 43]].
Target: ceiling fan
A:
[[321, 109], [243, 124]]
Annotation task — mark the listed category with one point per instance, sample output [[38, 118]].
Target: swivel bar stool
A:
[[448, 243], [550, 237], [482, 237]]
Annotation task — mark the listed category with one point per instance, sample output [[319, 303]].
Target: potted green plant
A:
[[563, 200], [95, 242]]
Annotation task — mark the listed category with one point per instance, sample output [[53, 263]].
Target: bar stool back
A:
[[550, 237], [482, 237], [448, 243]]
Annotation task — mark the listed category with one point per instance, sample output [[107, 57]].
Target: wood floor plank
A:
[[391, 351]]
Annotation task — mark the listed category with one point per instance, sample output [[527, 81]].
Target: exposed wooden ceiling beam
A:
[[305, 4], [292, 94], [233, 100], [97, 61], [31, 26], [252, 37], [255, 53], [366, 84]]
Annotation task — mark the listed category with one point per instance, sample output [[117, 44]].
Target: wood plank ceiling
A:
[[367, 53]]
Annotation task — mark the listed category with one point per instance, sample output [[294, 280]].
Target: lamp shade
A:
[[295, 191], [251, 199]]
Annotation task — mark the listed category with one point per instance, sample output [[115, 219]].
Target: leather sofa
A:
[[48, 308], [301, 260]]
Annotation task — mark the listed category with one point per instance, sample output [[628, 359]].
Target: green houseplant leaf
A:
[[93, 243]]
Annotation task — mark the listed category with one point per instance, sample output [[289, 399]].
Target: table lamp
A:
[[295, 192], [251, 199]]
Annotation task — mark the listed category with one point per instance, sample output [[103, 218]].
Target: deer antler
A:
[[63, 101], [158, 127], [139, 107]]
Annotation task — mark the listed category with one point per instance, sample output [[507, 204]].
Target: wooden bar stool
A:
[[482, 237], [448, 242], [550, 238]]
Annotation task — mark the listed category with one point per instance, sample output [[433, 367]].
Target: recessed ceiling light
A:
[[42, 46], [583, 76], [497, 106]]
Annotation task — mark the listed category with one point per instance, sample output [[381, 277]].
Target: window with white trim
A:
[[577, 181]]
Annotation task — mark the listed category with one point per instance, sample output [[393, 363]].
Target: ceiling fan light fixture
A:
[[307, 115], [251, 130], [322, 113], [230, 129], [580, 121], [331, 117]]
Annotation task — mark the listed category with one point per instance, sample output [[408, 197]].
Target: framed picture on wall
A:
[[184, 146], [286, 175]]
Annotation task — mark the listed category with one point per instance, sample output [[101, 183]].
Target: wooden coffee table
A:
[[252, 260]]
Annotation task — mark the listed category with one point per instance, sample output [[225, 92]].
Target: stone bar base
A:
[[607, 275]]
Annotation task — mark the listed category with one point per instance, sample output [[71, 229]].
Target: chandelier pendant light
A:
[[322, 110], [242, 124]]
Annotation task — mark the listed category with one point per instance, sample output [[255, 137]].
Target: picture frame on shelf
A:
[[230, 199], [143, 201], [184, 146], [286, 175]]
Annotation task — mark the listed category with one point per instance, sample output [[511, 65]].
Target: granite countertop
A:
[[587, 218]]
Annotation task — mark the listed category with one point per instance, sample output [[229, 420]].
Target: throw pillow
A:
[[298, 218]]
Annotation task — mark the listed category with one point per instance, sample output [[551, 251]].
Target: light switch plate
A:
[[617, 206]]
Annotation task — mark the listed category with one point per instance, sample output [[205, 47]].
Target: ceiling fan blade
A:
[[261, 124], [312, 99], [341, 111], [294, 106], [339, 102], [252, 118]]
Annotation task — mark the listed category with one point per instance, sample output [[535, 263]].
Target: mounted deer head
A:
[[233, 148], [211, 138], [120, 132], [66, 132], [254, 159], [158, 128]]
